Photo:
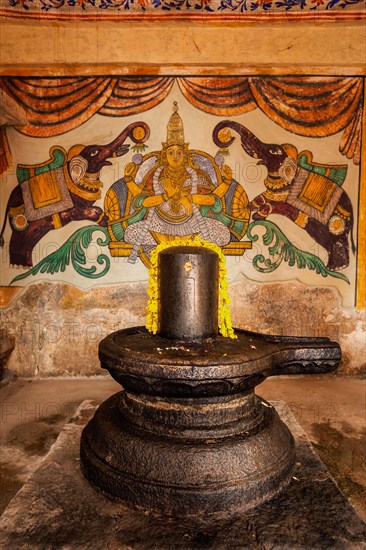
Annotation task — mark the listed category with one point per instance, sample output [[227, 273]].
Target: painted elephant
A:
[[63, 189], [308, 193]]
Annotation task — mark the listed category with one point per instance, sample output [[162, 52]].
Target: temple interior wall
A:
[[39, 47], [58, 326]]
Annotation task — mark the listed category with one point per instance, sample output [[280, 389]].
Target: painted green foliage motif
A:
[[72, 252], [279, 248]]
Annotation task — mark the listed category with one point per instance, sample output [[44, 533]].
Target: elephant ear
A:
[[77, 168], [288, 169]]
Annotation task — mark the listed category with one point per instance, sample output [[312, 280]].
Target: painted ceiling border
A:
[[189, 10]]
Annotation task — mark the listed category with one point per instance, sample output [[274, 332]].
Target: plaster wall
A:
[[57, 326], [41, 48]]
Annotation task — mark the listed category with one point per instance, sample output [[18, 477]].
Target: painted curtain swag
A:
[[328, 105]]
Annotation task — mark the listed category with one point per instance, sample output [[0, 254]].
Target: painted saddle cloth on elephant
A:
[[44, 186], [316, 189]]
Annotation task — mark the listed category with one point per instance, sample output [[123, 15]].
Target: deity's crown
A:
[[175, 131]]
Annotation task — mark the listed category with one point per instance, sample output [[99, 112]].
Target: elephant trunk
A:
[[96, 156], [250, 143], [219, 139], [138, 132], [271, 155]]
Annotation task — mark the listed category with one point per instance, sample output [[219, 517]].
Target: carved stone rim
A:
[[135, 353]]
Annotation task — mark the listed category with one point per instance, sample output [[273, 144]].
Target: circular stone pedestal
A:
[[187, 436], [189, 456]]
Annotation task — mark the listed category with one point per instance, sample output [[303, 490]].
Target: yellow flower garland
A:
[[225, 326]]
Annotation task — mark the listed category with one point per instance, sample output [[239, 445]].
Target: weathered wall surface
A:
[[58, 327], [300, 310], [177, 47]]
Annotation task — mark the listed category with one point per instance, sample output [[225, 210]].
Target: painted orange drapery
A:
[[5, 155], [308, 106]]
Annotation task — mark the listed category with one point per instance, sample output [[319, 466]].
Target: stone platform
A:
[[58, 509]]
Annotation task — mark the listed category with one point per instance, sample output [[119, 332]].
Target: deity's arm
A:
[[221, 189], [203, 200], [204, 197], [133, 188], [129, 177], [227, 176], [161, 194], [155, 200], [136, 191]]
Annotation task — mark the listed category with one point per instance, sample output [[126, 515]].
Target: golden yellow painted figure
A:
[[178, 190]]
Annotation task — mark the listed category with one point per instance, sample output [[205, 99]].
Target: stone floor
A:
[[57, 509], [332, 411]]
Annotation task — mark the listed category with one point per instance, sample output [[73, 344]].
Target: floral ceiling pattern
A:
[[221, 10]]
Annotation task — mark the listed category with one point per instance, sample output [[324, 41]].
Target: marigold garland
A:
[[152, 310]]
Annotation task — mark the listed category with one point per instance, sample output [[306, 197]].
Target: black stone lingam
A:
[[187, 436]]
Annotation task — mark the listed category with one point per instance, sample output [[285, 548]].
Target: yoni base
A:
[[188, 436], [207, 457]]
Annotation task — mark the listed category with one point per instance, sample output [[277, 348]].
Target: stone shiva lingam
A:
[[187, 435]]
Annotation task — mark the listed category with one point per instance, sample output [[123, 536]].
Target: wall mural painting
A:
[[272, 181]]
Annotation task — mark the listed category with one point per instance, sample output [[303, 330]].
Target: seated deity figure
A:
[[173, 193]]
